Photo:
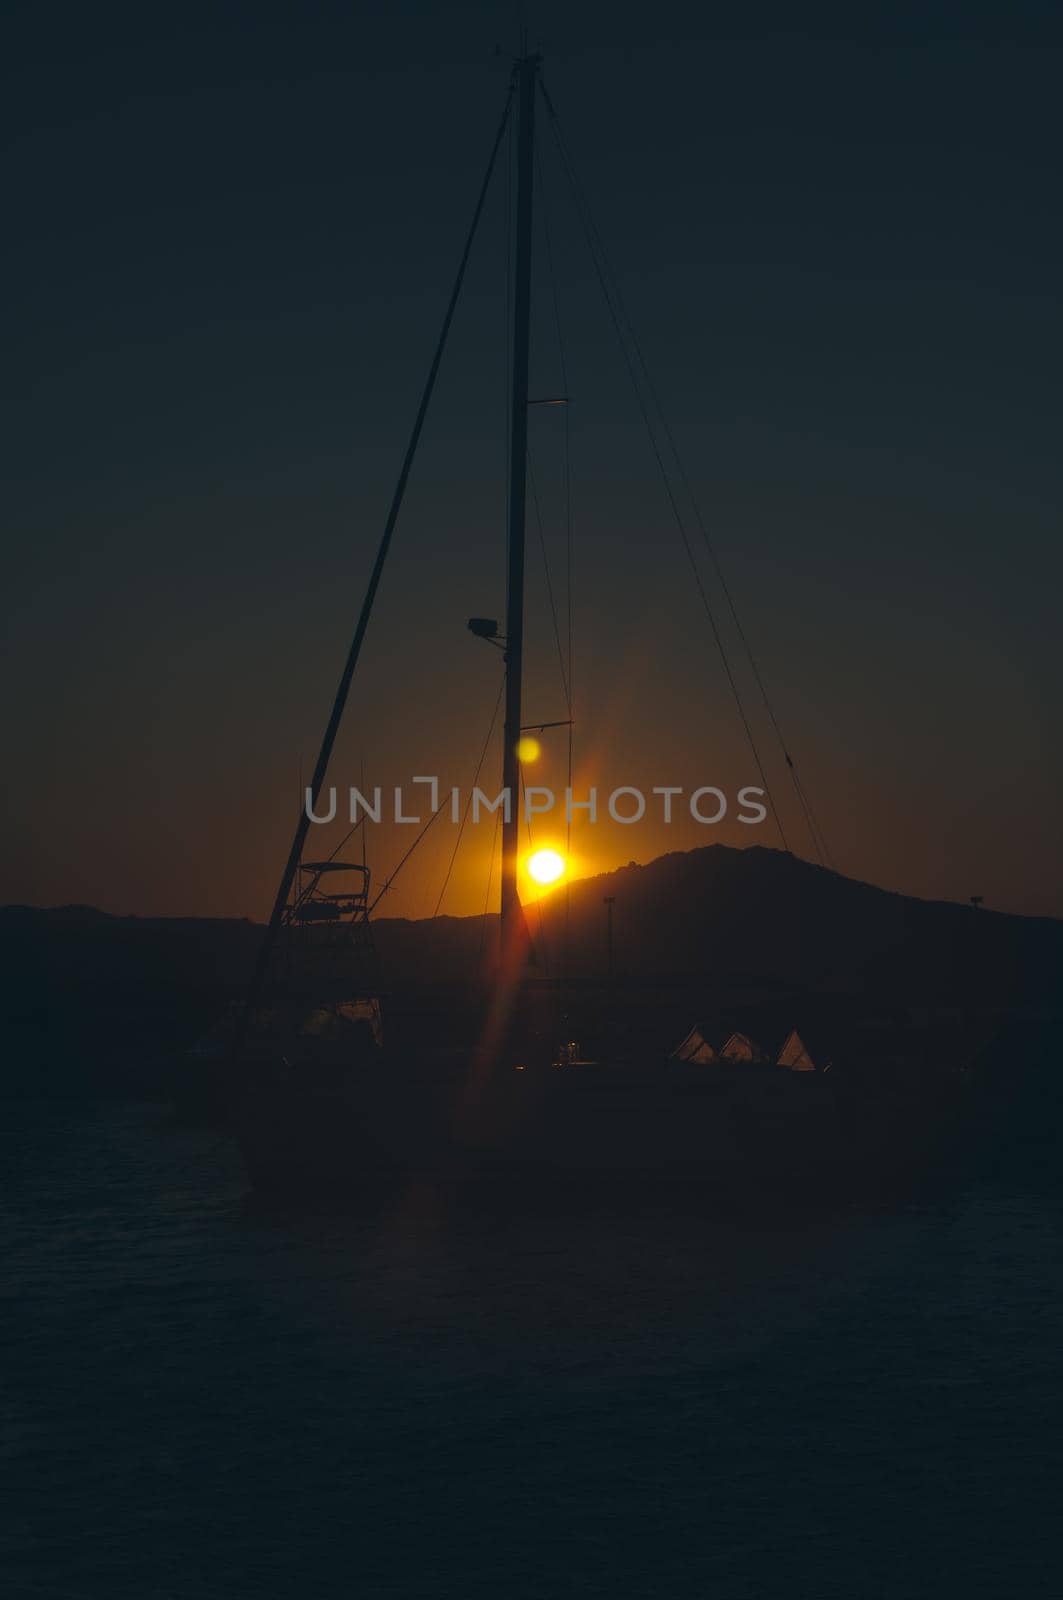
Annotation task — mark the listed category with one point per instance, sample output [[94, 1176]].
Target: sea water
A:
[[204, 1397]]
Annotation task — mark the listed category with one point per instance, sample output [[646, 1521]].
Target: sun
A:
[[528, 750], [546, 866]]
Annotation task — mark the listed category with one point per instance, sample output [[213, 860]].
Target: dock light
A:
[[483, 627], [546, 866]]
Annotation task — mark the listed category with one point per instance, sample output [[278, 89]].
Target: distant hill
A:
[[715, 916], [763, 914]]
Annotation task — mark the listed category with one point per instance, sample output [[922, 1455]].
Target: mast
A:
[[526, 74]]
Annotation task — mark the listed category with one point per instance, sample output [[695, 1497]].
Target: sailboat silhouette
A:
[[317, 1100]]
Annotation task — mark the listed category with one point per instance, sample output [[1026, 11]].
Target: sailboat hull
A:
[[761, 1128]]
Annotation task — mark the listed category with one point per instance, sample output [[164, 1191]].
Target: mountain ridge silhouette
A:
[[715, 913]]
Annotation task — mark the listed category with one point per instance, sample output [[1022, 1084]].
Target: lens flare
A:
[[546, 866]]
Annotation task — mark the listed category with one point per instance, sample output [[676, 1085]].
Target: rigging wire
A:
[[555, 299], [633, 360], [348, 835], [403, 860], [487, 896], [339, 703], [566, 469], [438, 812], [604, 269], [549, 583], [819, 843], [468, 802], [815, 832]]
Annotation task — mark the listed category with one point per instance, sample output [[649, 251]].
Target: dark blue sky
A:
[[230, 235]]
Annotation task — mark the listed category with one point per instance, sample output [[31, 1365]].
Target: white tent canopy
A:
[[740, 1047], [796, 1055], [695, 1047]]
